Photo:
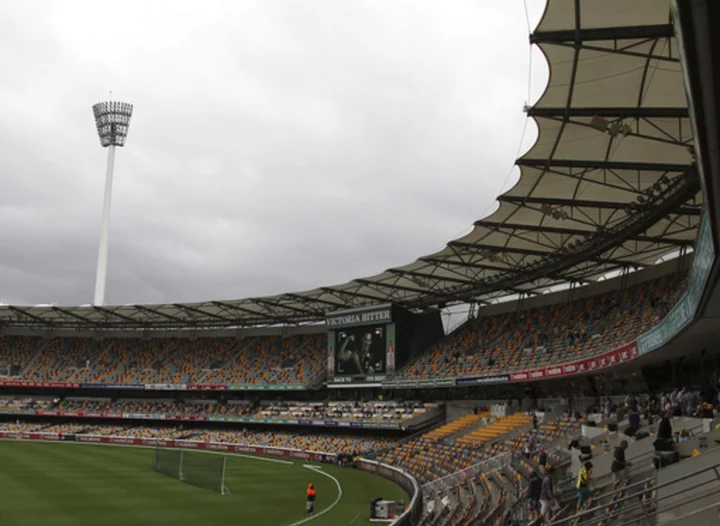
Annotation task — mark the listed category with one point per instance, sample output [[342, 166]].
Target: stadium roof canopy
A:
[[610, 184]]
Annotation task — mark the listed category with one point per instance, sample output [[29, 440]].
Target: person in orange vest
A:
[[311, 494]]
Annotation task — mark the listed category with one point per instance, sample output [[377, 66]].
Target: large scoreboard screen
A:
[[366, 346], [361, 350], [361, 345]]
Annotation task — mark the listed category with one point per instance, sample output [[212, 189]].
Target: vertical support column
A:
[[222, 476], [101, 277], [180, 470]]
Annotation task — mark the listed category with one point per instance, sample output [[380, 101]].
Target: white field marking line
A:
[[318, 470], [355, 518], [276, 460], [228, 453]]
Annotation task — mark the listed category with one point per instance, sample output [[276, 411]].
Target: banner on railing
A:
[[447, 382], [268, 387], [318, 456], [482, 380], [112, 386], [200, 418], [684, 311], [608, 359], [206, 387], [23, 383], [157, 387]]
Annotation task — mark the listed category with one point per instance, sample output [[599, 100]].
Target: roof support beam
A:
[[478, 247], [602, 165], [304, 312], [581, 203], [23, 312], [577, 232], [603, 33], [159, 313], [682, 190], [424, 276], [228, 306], [372, 284], [529, 252], [305, 299], [109, 312], [492, 225], [194, 310], [619, 262], [626, 50], [634, 113], [342, 293], [456, 263], [66, 312]]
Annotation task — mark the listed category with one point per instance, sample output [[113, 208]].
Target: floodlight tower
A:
[[112, 119]]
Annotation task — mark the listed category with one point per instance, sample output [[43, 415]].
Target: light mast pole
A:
[[112, 119]]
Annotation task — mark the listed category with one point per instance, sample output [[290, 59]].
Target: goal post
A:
[[197, 469], [168, 462]]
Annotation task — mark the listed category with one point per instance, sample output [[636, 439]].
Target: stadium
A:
[[588, 360]]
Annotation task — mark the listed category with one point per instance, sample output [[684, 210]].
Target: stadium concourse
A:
[[598, 268]]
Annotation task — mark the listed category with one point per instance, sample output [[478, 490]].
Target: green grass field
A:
[[65, 484]]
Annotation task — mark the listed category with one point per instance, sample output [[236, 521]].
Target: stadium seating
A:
[[335, 444], [379, 412], [18, 351], [59, 356], [365, 412], [190, 408], [518, 340], [10, 404], [534, 338], [31, 427], [253, 361], [434, 455], [496, 429], [299, 440], [457, 425], [270, 360]]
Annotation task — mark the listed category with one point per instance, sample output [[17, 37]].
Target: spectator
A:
[[634, 423], [620, 464], [542, 458], [548, 502], [583, 485], [664, 430], [534, 493]]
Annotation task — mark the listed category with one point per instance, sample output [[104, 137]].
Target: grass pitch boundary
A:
[[63, 486], [132, 446], [318, 469]]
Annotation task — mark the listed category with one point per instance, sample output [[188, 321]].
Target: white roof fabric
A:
[[609, 184]]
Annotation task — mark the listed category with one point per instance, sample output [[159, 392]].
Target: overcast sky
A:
[[275, 146]]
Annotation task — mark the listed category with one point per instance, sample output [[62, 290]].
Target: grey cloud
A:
[[274, 146]]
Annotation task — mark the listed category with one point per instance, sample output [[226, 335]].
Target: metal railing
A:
[[645, 508], [453, 479], [413, 512]]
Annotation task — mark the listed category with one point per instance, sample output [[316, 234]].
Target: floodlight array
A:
[[112, 119]]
